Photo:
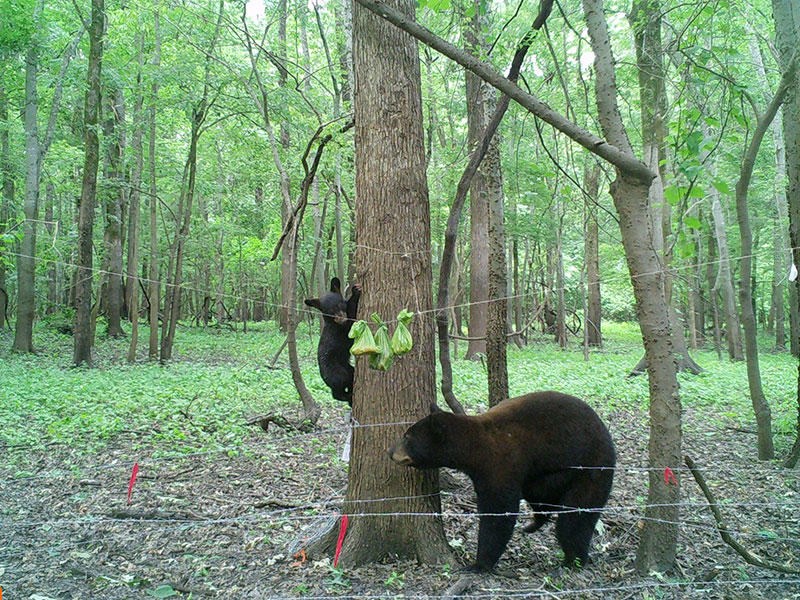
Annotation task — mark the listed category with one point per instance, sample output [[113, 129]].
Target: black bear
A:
[[333, 352], [530, 447]]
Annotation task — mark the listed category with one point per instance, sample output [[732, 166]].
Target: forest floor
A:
[[225, 518]]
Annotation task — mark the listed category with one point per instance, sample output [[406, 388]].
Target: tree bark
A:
[[592, 256], [7, 198], [114, 130], [83, 335], [394, 268], [757, 397], [26, 265], [199, 113], [787, 40], [132, 278], [658, 543], [479, 194], [155, 287]]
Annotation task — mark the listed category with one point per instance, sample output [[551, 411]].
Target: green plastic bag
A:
[[401, 338], [383, 360], [364, 342]]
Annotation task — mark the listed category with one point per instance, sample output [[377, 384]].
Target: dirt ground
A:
[[222, 524]]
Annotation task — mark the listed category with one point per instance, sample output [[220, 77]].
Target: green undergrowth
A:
[[219, 377]]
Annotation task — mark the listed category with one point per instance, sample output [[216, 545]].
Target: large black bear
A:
[[333, 352], [526, 447]]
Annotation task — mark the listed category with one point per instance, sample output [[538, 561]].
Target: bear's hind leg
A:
[[574, 533]]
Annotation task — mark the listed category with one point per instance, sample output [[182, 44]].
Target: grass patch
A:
[[200, 400]]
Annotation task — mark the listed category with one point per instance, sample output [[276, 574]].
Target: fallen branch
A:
[[263, 421], [748, 556]]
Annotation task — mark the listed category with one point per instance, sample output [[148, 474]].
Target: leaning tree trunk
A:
[[757, 397], [658, 543], [394, 268], [83, 338]]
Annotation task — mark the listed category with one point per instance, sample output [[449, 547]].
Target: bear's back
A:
[[550, 431]]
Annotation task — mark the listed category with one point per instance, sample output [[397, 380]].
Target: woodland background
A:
[[205, 126]]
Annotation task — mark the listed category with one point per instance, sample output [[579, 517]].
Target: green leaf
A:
[[722, 186], [672, 193], [162, 591], [692, 222], [697, 192]]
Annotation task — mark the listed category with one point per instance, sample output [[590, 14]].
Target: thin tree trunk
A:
[[724, 281], [155, 288], [83, 338], [199, 113], [7, 198], [760, 405], [592, 257], [132, 278], [52, 283]]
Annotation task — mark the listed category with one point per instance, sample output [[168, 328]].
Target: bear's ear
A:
[[336, 286], [434, 408], [313, 302]]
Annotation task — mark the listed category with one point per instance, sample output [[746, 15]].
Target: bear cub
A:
[[333, 352], [525, 447]]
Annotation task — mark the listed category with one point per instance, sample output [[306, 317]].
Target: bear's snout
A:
[[399, 455]]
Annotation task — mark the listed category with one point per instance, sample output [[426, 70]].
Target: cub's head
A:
[[332, 305], [425, 444]]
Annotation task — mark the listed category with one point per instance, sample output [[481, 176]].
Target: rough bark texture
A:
[[787, 39], [592, 252], [757, 397], [155, 288], [658, 543], [394, 268], [26, 265], [115, 198], [132, 278], [7, 198], [478, 201], [82, 354]]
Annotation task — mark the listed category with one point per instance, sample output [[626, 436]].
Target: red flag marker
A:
[[134, 473], [340, 541], [668, 474]]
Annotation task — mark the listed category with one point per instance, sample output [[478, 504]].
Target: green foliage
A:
[[17, 26]]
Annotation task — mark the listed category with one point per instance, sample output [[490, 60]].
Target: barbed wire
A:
[[308, 311]]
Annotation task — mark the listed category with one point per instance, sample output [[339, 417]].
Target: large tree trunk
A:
[[787, 39], [83, 339], [26, 265], [479, 194], [392, 216], [657, 547], [114, 129]]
